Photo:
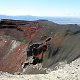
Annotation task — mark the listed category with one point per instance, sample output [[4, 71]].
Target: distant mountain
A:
[[61, 20]]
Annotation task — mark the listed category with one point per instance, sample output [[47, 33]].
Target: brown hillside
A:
[[15, 36]]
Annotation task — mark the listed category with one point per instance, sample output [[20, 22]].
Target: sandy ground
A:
[[64, 72]]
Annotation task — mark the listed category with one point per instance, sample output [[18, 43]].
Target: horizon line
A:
[[43, 16]]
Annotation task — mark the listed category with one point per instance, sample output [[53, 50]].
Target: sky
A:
[[59, 8]]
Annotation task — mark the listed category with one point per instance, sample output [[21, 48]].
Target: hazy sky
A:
[[40, 7]]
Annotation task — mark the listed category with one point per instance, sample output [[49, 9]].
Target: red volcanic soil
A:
[[24, 29], [11, 59], [10, 31]]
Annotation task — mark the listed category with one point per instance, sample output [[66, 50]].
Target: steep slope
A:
[[63, 46], [12, 54], [14, 36]]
